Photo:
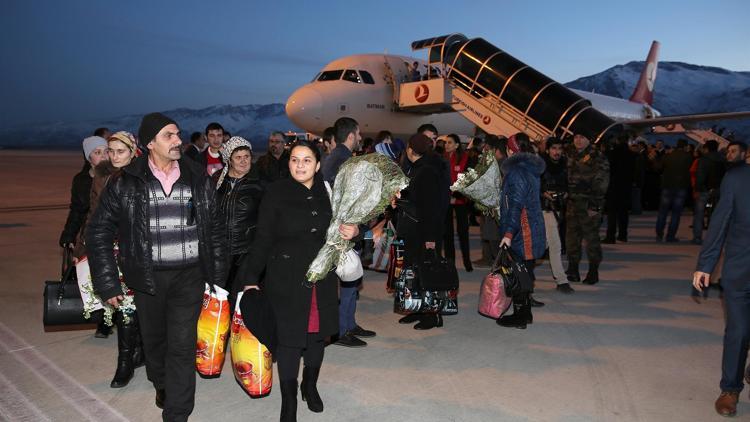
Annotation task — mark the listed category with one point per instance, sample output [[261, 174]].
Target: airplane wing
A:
[[686, 118]]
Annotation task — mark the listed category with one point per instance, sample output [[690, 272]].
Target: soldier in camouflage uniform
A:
[[588, 178]]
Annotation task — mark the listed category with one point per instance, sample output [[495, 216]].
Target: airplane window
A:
[[316, 77], [352, 76], [330, 75], [366, 77]]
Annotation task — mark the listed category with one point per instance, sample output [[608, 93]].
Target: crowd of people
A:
[[209, 211]]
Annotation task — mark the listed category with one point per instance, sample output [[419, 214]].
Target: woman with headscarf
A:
[[294, 216], [521, 218], [122, 148], [238, 193]]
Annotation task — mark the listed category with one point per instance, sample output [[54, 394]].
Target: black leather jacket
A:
[[123, 213], [238, 206], [80, 193]]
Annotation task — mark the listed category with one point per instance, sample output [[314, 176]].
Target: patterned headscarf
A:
[[226, 154], [128, 139]]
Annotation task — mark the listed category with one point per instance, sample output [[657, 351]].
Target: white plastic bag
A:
[[349, 267]]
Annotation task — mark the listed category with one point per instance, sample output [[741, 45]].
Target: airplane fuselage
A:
[[362, 87]]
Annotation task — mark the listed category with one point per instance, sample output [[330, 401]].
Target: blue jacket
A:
[[730, 227], [520, 207]]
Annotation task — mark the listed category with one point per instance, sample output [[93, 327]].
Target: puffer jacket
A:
[[123, 213], [521, 216], [238, 207]]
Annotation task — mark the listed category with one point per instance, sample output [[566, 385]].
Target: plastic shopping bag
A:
[[251, 361], [213, 328]]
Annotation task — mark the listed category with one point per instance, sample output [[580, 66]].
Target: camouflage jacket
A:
[[588, 176]]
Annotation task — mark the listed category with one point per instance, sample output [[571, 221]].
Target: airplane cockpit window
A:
[[330, 75], [316, 77], [352, 76], [366, 77]]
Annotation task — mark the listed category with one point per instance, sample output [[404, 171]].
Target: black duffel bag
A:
[[516, 277], [62, 299], [435, 273]]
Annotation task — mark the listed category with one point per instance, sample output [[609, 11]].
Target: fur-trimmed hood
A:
[[529, 162]]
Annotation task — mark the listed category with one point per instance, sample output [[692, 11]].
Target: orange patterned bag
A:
[[213, 328], [251, 360]]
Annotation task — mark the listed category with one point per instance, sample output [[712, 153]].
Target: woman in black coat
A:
[[294, 216], [238, 194], [419, 221]]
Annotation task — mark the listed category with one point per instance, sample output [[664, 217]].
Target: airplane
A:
[[470, 85]]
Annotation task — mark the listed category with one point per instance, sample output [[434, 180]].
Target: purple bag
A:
[[493, 302]]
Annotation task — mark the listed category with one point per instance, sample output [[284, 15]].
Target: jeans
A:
[[736, 337], [347, 306], [672, 200], [698, 213]]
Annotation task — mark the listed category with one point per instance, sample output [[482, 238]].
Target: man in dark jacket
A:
[[161, 210], [274, 165], [675, 181], [730, 227], [348, 139], [707, 181], [554, 189], [619, 193]]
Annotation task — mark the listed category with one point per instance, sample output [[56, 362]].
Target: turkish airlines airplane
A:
[[377, 90]]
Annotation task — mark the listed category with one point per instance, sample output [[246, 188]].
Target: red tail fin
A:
[[644, 91]]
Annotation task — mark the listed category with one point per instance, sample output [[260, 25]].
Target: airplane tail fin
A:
[[644, 91]]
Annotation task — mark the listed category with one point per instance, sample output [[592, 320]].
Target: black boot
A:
[[125, 347], [572, 272], [411, 318], [102, 330], [429, 321], [309, 389], [288, 401], [593, 275], [521, 315], [139, 358], [467, 264]]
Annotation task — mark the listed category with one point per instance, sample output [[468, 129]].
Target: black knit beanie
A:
[[151, 124]]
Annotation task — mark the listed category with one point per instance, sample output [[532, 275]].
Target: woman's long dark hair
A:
[[459, 149]]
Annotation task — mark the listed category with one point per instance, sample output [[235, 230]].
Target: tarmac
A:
[[634, 347]]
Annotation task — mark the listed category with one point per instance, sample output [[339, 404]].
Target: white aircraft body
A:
[[366, 87]]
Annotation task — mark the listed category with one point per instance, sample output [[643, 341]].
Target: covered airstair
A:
[[498, 93]]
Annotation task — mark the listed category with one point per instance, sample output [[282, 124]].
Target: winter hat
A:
[[91, 143], [151, 124], [226, 154], [420, 144], [128, 139]]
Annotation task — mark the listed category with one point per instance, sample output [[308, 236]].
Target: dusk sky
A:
[[78, 60]]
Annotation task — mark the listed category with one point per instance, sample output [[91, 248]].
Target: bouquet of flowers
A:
[[363, 188], [482, 184]]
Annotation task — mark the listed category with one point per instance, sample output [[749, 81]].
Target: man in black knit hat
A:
[[161, 209]]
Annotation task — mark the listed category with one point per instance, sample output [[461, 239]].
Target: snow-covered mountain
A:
[[680, 88], [253, 122]]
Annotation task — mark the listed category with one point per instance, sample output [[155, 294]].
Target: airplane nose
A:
[[304, 108]]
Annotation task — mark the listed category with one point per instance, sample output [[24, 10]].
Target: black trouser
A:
[[287, 357], [462, 226], [617, 222], [232, 287], [168, 322]]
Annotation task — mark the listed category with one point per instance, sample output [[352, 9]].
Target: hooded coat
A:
[[521, 216]]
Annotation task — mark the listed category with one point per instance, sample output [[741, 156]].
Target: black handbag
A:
[[516, 277], [62, 299], [435, 273]]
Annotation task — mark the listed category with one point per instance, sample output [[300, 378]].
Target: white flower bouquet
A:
[[482, 184], [364, 186]]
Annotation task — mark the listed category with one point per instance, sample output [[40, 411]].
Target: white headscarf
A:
[[226, 154]]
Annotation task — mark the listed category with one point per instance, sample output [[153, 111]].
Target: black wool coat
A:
[[421, 213], [292, 226]]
